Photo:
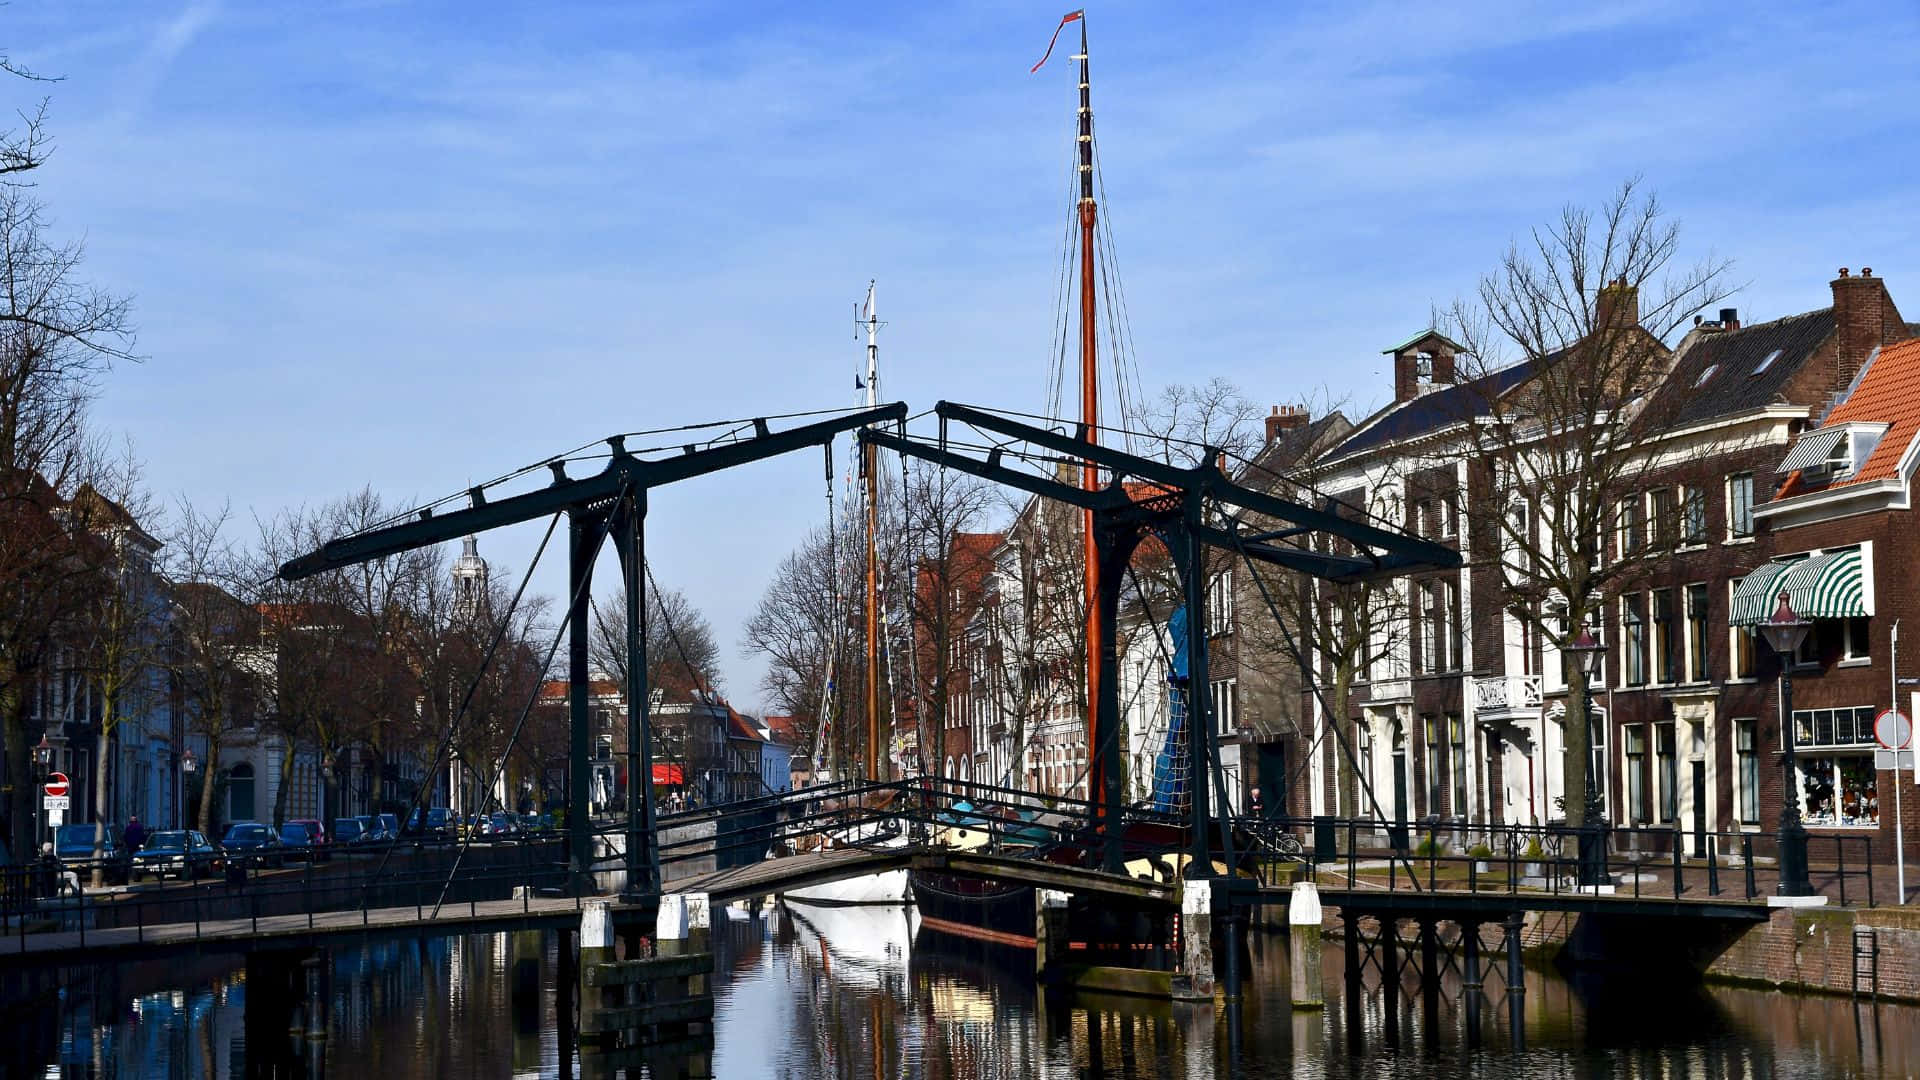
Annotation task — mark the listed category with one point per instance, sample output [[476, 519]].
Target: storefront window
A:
[[1839, 790]]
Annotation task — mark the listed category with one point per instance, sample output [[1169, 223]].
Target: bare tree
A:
[[24, 148], [1565, 344], [58, 338], [682, 655], [214, 631], [944, 516]]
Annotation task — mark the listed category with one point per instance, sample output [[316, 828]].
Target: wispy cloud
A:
[[143, 78]]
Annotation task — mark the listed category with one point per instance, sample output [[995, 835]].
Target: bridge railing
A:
[[1647, 862], [244, 889]]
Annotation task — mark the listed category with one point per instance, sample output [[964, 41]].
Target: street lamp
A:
[[1785, 630], [187, 764], [1590, 656]]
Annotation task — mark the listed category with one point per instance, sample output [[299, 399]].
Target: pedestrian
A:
[[58, 878], [1254, 803], [135, 833]]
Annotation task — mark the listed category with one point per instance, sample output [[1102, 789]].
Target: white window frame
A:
[[1226, 711], [1733, 516]]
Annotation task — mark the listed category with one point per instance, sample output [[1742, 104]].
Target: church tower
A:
[[469, 580]]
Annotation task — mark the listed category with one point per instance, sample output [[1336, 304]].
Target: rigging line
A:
[[473, 685], [1113, 250], [560, 633], [1061, 321], [1334, 722]]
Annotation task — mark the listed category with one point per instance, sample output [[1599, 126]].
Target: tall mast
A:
[[1089, 413], [869, 459]]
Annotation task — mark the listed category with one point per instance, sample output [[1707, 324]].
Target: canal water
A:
[[846, 993]]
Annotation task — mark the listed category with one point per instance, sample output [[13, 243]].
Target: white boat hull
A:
[[886, 887]]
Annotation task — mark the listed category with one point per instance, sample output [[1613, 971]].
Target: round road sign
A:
[[57, 784], [1893, 730]]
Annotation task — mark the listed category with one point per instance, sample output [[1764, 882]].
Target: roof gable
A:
[[1887, 392]]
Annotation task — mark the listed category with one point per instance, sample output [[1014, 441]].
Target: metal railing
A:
[[36, 899]]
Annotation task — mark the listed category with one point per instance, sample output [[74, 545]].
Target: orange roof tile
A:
[[1889, 393]]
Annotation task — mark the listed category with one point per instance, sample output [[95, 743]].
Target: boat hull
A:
[[982, 911], [888, 887]]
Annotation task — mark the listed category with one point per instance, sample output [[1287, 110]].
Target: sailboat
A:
[[985, 910], [888, 887]]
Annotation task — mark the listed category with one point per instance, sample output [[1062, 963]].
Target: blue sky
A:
[[416, 245]]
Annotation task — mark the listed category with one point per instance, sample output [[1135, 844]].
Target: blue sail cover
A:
[[1169, 765]]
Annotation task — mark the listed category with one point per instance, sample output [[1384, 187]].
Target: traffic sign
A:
[[1893, 730], [54, 802], [56, 808], [57, 785], [1892, 759]]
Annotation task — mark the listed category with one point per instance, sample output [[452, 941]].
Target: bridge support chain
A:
[[1303, 947], [1194, 980], [1470, 982], [1516, 981]]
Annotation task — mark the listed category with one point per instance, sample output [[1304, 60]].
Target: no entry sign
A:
[[57, 784], [1893, 730]]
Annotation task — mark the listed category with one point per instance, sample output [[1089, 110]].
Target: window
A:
[[1449, 517], [1632, 526], [1633, 620], [1434, 762], [1430, 644], [1705, 375], [1833, 727], [1225, 711], [1839, 790], [1363, 748], [1741, 650], [1666, 638], [1666, 520], [1638, 809], [1740, 504], [1457, 744], [1853, 638], [1697, 633], [1748, 796], [1693, 516], [1666, 775], [1767, 361], [1220, 604]]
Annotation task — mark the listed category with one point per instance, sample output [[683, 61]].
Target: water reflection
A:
[[850, 993]]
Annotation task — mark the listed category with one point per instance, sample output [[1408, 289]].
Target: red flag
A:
[[1071, 16]]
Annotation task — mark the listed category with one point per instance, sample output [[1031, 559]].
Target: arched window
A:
[[948, 771]]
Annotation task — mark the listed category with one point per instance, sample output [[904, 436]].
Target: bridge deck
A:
[[790, 872], [288, 931]]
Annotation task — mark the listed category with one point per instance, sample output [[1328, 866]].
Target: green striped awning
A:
[[1831, 585]]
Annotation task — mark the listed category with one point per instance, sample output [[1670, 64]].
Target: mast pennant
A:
[[1071, 16]]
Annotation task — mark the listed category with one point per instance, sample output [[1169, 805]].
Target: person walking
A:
[[134, 834]]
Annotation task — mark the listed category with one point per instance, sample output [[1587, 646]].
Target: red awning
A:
[[668, 775]]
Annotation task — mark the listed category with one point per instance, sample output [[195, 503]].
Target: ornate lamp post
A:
[[1590, 656], [1785, 630], [187, 764]]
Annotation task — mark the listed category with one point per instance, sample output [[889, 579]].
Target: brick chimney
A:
[[1862, 315], [1617, 305], [1283, 419]]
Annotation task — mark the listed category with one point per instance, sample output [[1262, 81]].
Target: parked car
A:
[[353, 832], [433, 823], [304, 840], [184, 853], [252, 840], [74, 845], [535, 824], [501, 825]]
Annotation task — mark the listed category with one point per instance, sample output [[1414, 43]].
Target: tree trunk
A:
[[1346, 781], [286, 784], [19, 792], [207, 784], [102, 745], [1579, 753]]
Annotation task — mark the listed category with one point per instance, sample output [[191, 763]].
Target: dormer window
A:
[[1833, 452]]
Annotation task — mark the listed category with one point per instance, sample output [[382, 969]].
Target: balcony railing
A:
[[1506, 692]]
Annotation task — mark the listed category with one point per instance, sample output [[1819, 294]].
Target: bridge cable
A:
[[473, 685], [1333, 722], [560, 633]]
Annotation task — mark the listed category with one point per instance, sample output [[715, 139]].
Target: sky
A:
[[416, 245]]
